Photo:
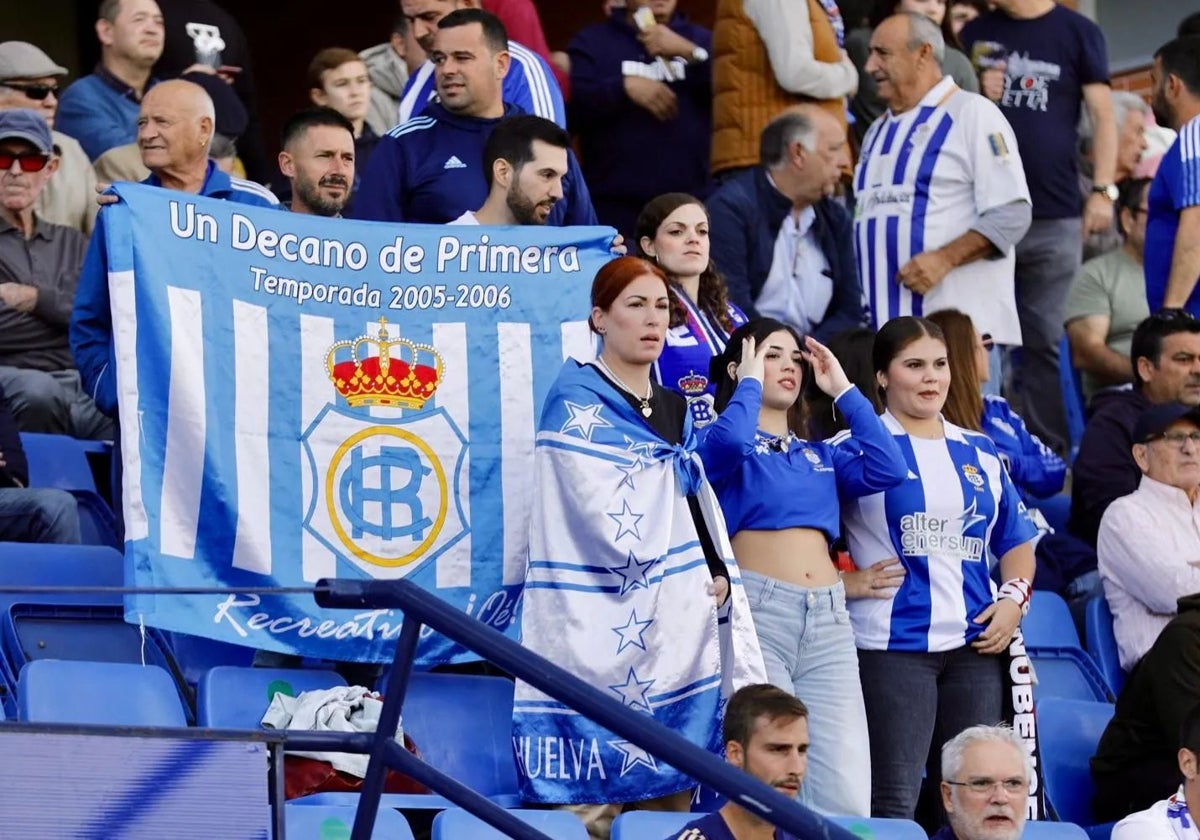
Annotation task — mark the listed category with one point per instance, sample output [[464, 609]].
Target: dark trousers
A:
[[1134, 788], [915, 703]]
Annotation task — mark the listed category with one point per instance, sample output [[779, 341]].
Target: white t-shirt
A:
[[467, 218], [923, 179]]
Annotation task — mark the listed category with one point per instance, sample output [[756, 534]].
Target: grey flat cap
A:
[[22, 60]]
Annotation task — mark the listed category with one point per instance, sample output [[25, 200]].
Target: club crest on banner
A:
[[384, 492]]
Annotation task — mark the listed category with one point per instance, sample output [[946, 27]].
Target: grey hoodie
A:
[[388, 74]]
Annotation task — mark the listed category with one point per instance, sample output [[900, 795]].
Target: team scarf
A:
[[618, 593], [1018, 710], [1180, 819], [835, 20]]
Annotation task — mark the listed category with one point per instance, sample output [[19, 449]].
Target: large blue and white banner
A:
[[305, 398]]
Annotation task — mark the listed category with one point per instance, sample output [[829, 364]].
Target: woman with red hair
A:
[[631, 583]]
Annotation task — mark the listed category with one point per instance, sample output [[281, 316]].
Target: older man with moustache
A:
[[29, 79], [174, 130], [784, 247], [985, 784]]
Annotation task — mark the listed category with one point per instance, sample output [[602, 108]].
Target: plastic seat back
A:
[[881, 829], [1067, 673], [1053, 831], [111, 693], [1069, 731], [1102, 642], [58, 461], [229, 697], [1049, 622], [463, 726], [1072, 393], [326, 822], [457, 824]]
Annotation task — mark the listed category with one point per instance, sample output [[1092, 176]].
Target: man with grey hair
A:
[[942, 198], [1129, 114], [782, 244], [174, 132], [985, 784], [29, 79]]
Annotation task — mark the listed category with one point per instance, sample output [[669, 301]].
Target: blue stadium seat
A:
[[228, 697], [1053, 831], [1068, 673], [111, 693], [60, 461], [457, 824], [1049, 622], [1072, 391], [462, 725], [196, 655], [333, 822], [880, 829], [1056, 510], [1068, 732], [1102, 641], [636, 825]]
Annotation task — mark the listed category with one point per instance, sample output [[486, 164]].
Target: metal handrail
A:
[[420, 607]]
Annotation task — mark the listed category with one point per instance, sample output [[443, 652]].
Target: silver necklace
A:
[[645, 401]]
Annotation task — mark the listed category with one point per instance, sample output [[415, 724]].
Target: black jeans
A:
[[915, 703]]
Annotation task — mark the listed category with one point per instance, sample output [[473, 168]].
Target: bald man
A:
[[174, 131]]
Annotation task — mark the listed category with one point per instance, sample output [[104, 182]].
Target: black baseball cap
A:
[[1154, 420]]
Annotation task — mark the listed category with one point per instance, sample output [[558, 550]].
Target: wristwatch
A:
[[699, 55], [1109, 191]]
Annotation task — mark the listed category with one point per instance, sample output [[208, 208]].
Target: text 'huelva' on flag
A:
[[303, 398]]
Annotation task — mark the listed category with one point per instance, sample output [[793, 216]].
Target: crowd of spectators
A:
[[945, 193]]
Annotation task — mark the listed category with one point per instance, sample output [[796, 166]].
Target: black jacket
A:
[[1104, 469]]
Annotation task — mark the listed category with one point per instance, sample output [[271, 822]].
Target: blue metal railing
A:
[[422, 608]]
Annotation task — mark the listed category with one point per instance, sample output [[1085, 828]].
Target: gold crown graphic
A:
[[398, 375]]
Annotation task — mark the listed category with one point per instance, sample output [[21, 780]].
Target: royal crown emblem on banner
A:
[[401, 373]]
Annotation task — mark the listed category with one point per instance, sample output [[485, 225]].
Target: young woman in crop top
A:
[[780, 496]]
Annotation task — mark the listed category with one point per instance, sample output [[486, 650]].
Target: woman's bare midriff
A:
[[799, 556]]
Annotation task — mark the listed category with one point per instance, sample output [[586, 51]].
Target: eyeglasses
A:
[[983, 787], [987, 341], [29, 161], [35, 92], [1176, 439]]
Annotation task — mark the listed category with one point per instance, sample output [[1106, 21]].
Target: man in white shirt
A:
[[942, 197], [1149, 541], [524, 161], [1171, 819]]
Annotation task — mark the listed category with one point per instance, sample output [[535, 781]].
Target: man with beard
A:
[[428, 169], [524, 162], [766, 734], [985, 783], [1173, 223], [318, 160]]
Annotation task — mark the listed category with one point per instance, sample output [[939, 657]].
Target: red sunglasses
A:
[[30, 161]]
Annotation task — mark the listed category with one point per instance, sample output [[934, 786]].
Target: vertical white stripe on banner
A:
[[120, 284], [453, 567], [316, 392], [183, 458], [578, 342], [252, 539], [517, 429]]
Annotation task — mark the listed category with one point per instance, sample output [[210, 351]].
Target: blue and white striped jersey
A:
[[955, 513], [923, 179], [530, 85]]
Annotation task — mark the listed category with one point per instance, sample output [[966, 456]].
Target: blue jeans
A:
[[808, 648], [916, 702], [38, 515]]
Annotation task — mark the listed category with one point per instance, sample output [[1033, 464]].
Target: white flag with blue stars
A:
[[617, 592]]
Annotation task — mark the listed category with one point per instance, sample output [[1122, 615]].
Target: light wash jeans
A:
[[808, 648]]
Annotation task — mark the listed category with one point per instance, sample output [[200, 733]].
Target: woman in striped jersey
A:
[[672, 231], [780, 495], [929, 654]]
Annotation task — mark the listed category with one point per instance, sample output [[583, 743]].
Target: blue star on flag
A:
[[583, 419], [631, 632], [633, 692], [633, 573], [632, 755], [628, 470], [626, 520], [641, 449]]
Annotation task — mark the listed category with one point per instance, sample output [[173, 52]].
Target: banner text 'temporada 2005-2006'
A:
[[329, 398]]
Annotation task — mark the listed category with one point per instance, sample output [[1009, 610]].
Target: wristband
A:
[[1018, 590]]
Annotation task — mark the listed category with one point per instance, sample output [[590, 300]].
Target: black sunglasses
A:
[[1172, 315], [35, 92]]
